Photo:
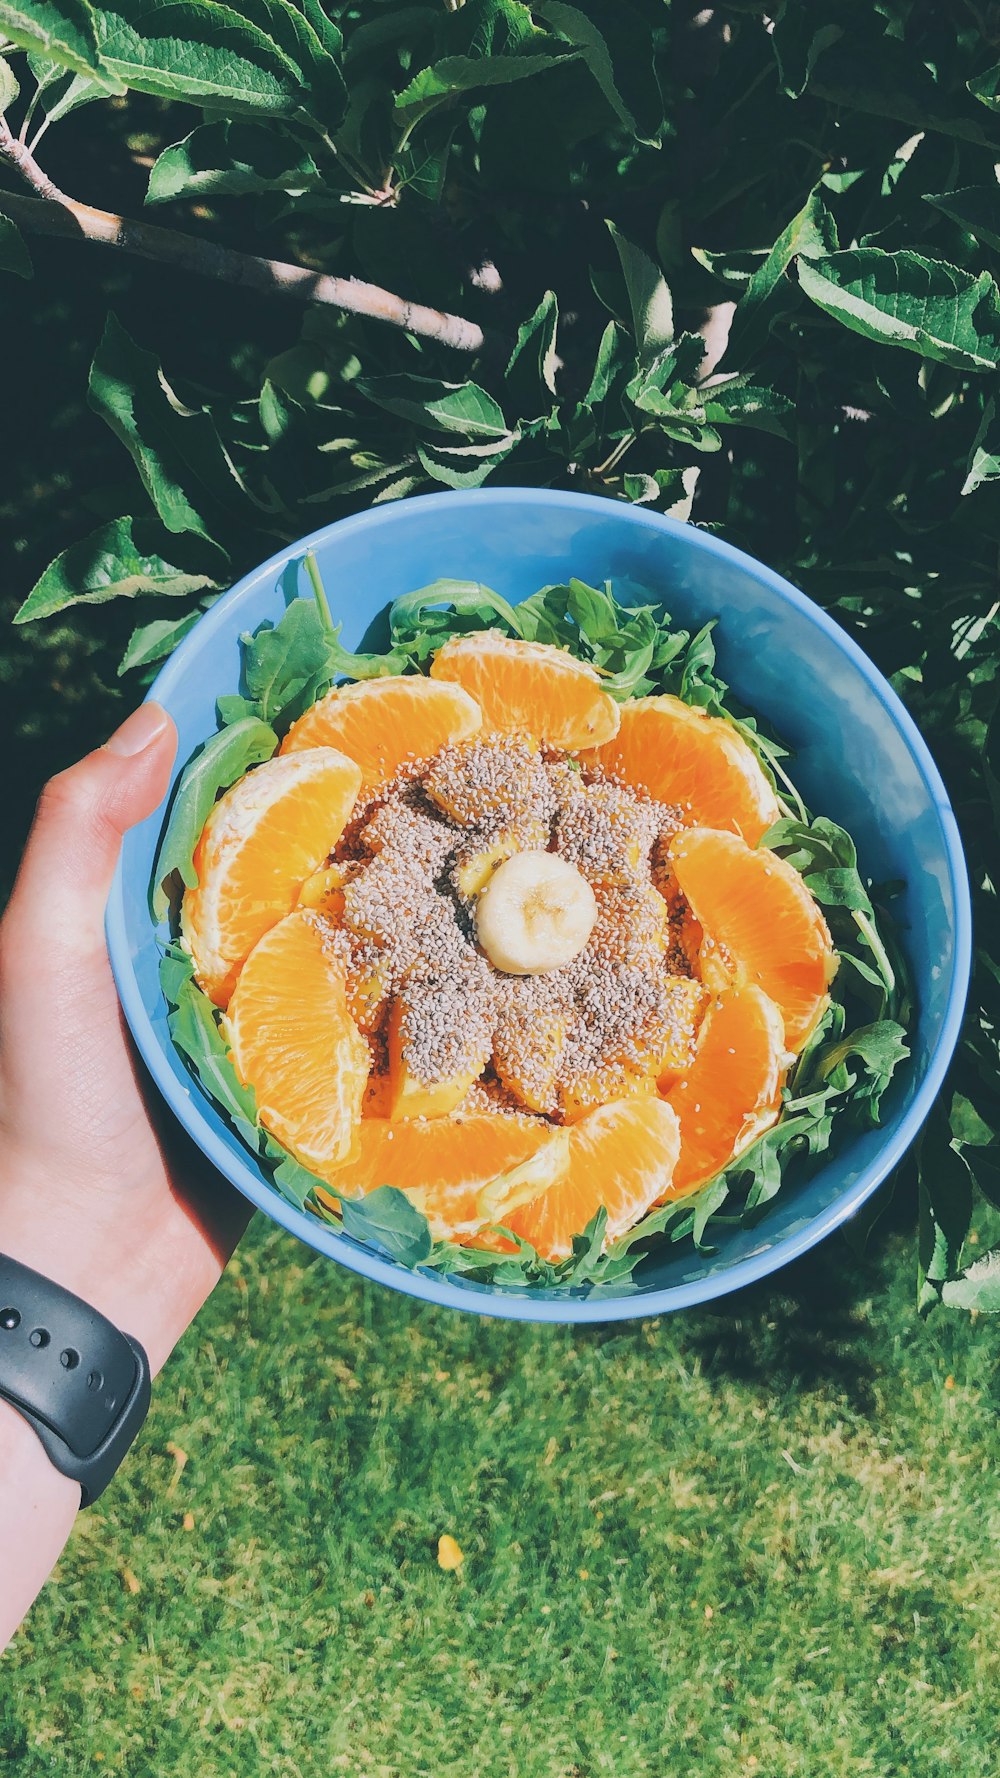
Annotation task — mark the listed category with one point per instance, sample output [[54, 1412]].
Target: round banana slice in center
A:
[[535, 914]]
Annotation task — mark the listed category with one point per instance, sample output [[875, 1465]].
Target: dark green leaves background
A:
[[594, 185]]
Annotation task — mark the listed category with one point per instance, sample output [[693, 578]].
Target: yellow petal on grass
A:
[[449, 1554]]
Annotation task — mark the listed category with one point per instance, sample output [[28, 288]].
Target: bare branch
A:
[[53, 213]]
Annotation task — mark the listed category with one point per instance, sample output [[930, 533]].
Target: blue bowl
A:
[[859, 758]]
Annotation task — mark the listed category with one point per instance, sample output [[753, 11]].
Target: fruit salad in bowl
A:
[[502, 954], [526, 954]]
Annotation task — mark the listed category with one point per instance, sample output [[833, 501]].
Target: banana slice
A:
[[535, 914]]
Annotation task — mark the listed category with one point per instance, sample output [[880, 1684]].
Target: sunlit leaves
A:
[[120, 560], [904, 299]]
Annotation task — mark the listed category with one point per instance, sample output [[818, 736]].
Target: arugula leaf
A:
[[223, 759], [385, 1218], [194, 1027]]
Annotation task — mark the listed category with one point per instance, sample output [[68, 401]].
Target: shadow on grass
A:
[[814, 1326]]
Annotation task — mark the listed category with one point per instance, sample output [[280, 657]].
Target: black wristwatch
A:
[[82, 1385]]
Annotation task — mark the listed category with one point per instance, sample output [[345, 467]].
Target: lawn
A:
[[760, 1539]]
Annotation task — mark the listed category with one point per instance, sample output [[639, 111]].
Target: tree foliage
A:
[[593, 186]]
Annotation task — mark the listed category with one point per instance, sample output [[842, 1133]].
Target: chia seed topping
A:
[[549, 1044]]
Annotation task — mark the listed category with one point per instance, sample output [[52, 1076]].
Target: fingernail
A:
[[138, 731]]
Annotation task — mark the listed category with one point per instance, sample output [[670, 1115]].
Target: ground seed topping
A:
[[422, 850]]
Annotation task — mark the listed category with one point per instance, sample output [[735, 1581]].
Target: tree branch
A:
[[53, 213]]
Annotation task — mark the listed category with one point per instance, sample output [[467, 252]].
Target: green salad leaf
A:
[[841, 1075], [220, 762]]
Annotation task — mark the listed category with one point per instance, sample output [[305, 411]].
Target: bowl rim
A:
[[483, 1299]]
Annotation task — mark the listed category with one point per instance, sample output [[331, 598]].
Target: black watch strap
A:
[[82, 1385]]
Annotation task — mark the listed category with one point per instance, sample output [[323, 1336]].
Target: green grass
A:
[[758, 1539]]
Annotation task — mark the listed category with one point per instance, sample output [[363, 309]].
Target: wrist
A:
[[92, 1244], [37, 1509]]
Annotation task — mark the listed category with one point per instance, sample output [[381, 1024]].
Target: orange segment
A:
[[294, 1041], [732, 1092], [530, 686], [460, 1171], [262, 840], [622, 1156], [761, 925], [384, 722], [681, 756]]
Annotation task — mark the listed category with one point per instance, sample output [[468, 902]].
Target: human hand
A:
[[98, 1190]]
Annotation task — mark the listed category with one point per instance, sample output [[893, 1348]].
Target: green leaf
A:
[[286, 665], [798, 40], [465, 466], [154, 641], [531, 369], [329, 34], [434, 612], [649, 298], [385, 1218], [904, 299], [184, 468], [455, 75], [742, 402], [945, 1206], [977, 1288], [61, 30], [231, 158], [60, 91], [14, 255], [194, 1027], [464, 408], [986, 88], [200, 51], [216, 765], [294, 1181], [991, 762], [984, 458], [586, 36], [120, 560], [811, 233], [9, 87], [975, 208]]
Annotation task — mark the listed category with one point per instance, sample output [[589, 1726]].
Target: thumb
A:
[[70, 858]]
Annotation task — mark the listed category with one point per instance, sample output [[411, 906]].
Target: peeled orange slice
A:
[[460, 1171], [732, 1092], [262, 840], [384, 722], [294, 1041], [621, 1155], [530, 686], [760, 925], [680, 755]]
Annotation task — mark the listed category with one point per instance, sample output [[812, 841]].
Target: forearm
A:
[[37, 1509], [148, 1273]]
